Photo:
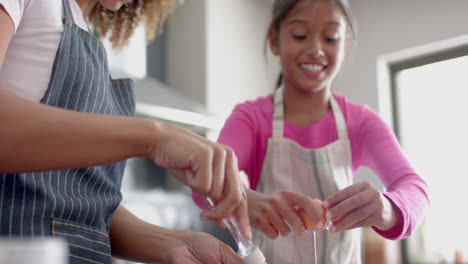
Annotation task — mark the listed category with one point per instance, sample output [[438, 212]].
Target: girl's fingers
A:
[[352, 218], [365, 222], [345, 194], [349, 205], [289, 214], [267, 229], [298, 200], [278, 223], [356, 195]]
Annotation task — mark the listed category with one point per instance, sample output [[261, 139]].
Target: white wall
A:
[[186, 47], [216, 52], [237, 67], [388, 26]]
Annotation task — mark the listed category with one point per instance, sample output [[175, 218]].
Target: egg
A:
[[308, 224]]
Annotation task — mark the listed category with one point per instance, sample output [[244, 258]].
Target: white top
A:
[[30, 56]]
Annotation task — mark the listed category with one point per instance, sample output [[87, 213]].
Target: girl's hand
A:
[[208, 168], [201, 248], [271, 213], [360, 205]]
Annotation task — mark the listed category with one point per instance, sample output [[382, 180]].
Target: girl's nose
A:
[[315, 48]]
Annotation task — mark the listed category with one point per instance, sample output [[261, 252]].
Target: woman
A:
[[67, 127]]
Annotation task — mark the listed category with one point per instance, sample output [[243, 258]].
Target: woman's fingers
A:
[[193, 178], [244, 221], [208, 168], [219, 171], [231, 191], [194, 166]]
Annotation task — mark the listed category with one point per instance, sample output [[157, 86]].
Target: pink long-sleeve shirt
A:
[[373, 145]]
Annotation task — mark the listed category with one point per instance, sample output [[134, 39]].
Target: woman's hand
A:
[[210, 169], [360, 205], [201, 248], [275, 213], [139, 241]]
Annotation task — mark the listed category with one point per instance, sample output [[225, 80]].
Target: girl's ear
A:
[[273, 39], [346, 44]]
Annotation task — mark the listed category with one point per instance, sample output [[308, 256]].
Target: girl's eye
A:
[[331, 40], [299, 36]]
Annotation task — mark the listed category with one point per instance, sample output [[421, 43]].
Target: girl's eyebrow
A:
[[297, 21], [302, 21], [336, 23]]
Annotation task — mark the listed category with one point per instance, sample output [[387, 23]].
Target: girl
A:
[[67, 127], [305, 141]]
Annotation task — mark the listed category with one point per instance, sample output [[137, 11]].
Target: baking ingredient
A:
[[308, 224]]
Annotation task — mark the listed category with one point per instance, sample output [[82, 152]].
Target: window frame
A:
[[388, 68]]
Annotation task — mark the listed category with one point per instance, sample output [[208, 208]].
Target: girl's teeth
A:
[[312, 67], [118, 5]]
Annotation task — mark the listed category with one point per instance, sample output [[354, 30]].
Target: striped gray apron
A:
[[74, 204], [317, 173]]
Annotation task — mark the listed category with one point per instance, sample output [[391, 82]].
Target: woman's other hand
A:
[[136, 240], [201, 248]]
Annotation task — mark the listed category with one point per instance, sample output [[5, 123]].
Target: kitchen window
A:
[[429, 104]]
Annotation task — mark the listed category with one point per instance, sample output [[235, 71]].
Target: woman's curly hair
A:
[[121, 24]]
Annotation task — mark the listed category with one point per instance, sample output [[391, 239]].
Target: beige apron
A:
[[317, 173]]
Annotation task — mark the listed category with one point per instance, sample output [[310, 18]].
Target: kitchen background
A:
[[409, 63]]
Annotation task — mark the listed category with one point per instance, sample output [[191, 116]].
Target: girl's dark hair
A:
[[282, 7]]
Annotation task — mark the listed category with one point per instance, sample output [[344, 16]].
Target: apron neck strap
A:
[[278, 115], [67, 9], [339, 118]]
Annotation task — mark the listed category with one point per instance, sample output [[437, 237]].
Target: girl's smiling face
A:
[[311, 43]]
